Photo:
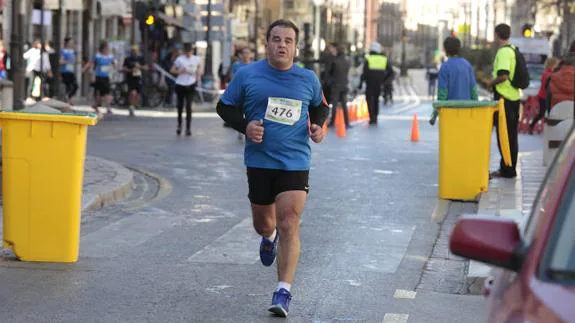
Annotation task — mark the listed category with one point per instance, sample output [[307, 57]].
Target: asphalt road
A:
[[182, 249]]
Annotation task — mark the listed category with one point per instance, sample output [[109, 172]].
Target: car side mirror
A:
[[488, 239]]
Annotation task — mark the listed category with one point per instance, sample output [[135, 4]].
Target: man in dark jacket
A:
[[376, 70], [337, 74]]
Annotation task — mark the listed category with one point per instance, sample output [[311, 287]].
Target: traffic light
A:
[[527, 31], [150, 20]]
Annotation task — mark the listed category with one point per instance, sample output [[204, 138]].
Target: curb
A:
[[119, 188]]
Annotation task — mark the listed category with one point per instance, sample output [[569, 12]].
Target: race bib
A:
[[191, 68], [106, 69], [137, 73], [69, 67], [284, 111]]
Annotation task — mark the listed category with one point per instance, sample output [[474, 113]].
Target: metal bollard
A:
[[6, 95]]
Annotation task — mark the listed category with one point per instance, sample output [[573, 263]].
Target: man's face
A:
[[71, 44], [281, 46], [332, 50]]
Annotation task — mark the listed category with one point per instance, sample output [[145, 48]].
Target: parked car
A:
[[534, 274]]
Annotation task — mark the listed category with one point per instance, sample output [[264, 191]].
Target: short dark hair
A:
[[283, 23], [103, 45], [452, 45], [187, 47], [67, 40], [503, 31]]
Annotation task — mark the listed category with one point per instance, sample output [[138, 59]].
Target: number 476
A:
[[282, 111]]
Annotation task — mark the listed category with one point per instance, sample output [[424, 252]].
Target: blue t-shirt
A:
[[284, 147], [70, 57], [456, 80], [237, 66], [103, 65]]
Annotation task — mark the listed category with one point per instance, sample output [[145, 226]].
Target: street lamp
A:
[[208, 78], [317, 26], [16, 56]]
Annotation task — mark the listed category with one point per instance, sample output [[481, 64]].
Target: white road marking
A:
[[383, 171], [237, 246], [395, 318], [402, 293], [122, 236]]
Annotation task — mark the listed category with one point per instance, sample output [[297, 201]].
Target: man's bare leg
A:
[[289, 208]]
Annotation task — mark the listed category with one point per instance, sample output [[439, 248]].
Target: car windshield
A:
[[563, 255], [535, 71]]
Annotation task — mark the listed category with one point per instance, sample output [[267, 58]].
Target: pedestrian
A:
[[325, 62], [388, 88], [456, 79], [133, 67], [245, 58], [562, 81], [3, 61], [167, 64], [432, 75], [542, 94], [103, 64], [504, 68], [187, 67], [272, 101], [338, 75], [376, 70], [53, 57], [67, 68], [37, 67]]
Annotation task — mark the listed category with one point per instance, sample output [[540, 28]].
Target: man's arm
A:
[[318, 114], [442, 84], [364, 73], [234, 116]]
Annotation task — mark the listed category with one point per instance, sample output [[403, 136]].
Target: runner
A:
[[133, 67], [272, 101], [187, 67], [103, 64], [67, 67]]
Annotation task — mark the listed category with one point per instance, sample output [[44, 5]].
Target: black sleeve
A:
[[318, 114], [234, 116], [502, 72], [364, 73]]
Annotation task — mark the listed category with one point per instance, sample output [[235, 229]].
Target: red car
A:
[[534, 279]]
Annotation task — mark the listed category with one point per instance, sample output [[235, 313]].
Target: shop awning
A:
[[109, 8], [173, 21], [67, 4]]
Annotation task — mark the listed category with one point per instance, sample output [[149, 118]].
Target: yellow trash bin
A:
[[464, 147], [42, 174]]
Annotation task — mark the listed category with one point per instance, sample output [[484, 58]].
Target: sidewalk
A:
[[510, 198], [105, 182]]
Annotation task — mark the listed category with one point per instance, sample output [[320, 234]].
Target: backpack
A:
[[521, 78]]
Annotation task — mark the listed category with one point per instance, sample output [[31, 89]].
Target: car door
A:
[[511, 292]]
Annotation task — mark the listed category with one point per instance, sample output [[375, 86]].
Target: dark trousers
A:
[[185, 96], [372, 97], [339, 95], [540, 115], [387, 93], [512, 114], [69, 80]]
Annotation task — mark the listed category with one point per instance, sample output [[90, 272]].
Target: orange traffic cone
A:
[[340, 130], [352, 111], [415, 129]]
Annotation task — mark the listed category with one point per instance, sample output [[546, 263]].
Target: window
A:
[[289, 4], [559, 261]]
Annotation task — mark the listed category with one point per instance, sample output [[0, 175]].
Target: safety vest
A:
[[377, 62]]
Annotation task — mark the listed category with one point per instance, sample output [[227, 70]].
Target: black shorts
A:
[[102, 86], [134, 83], [266, 184]]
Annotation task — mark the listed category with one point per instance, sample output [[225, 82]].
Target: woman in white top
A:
[[187, 68]]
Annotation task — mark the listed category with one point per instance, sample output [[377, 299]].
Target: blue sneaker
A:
[[280, 303], [268, 251]]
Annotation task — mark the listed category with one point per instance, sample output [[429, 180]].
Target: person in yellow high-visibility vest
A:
[[376, 70]]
